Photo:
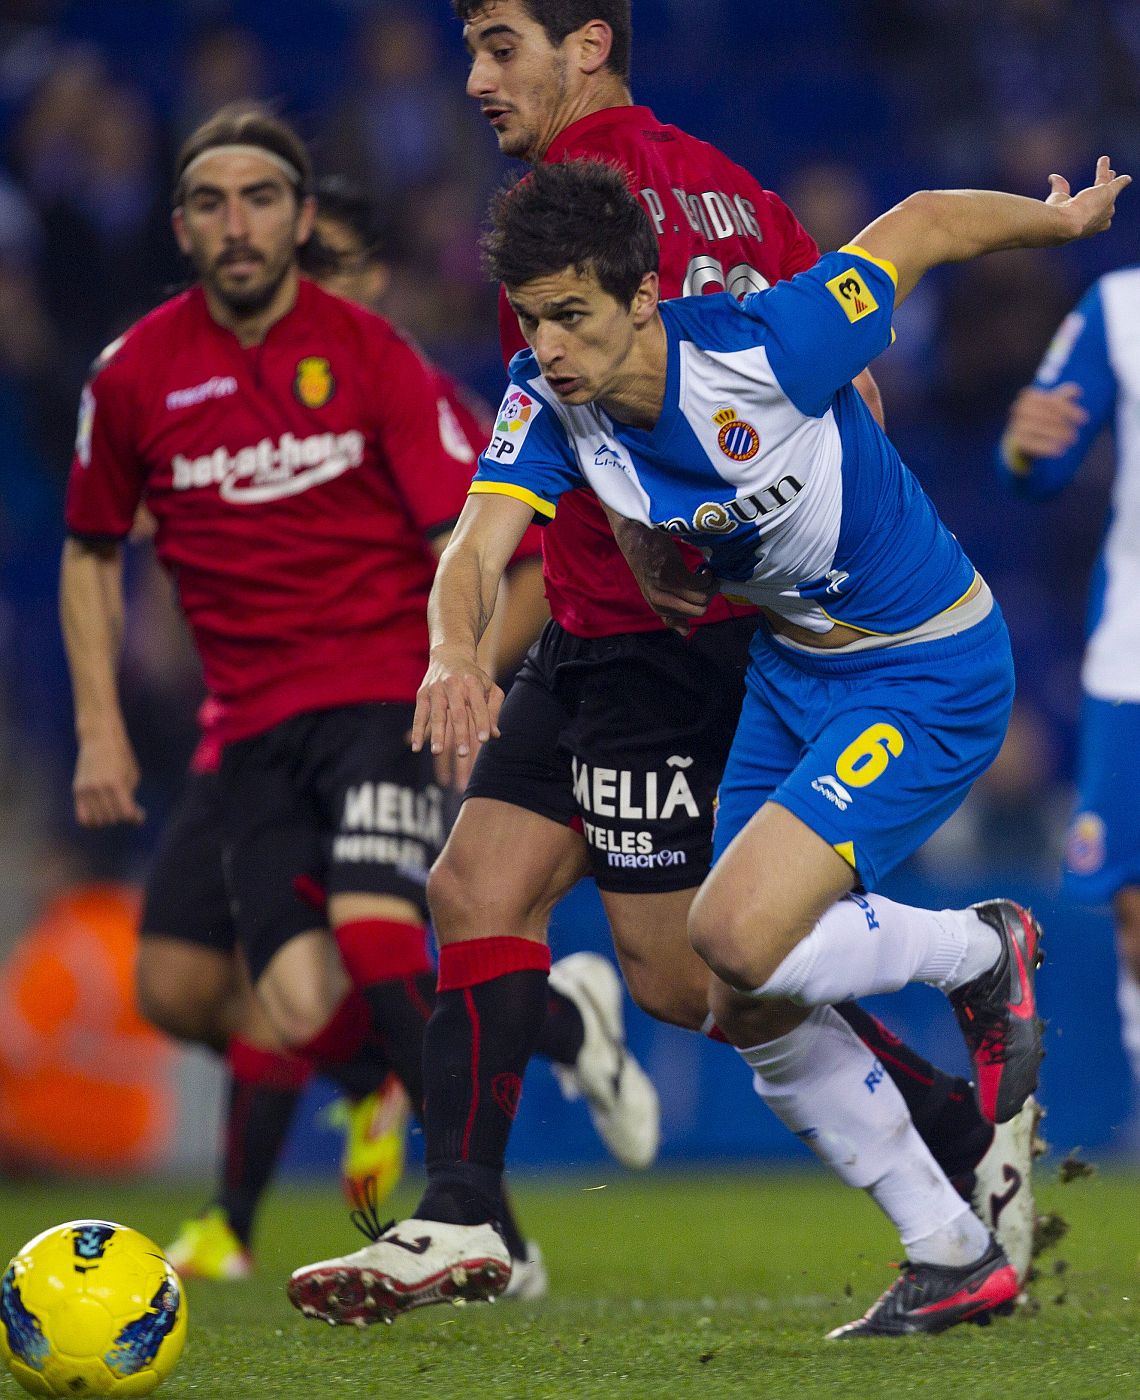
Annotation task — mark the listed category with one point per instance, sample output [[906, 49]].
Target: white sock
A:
[[905, 1193], [830, 1090], [1128, 1000], [866, 944]]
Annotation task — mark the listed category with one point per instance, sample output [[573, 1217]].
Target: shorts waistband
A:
[[844, 663]]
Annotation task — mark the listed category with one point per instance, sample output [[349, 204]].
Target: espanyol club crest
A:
[[314, 384], [515, 412], [737, 439], [1085, 847]]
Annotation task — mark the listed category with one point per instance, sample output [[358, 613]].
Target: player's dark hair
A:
[[247, 124], [578, 214], [561, 17], [350, 205]]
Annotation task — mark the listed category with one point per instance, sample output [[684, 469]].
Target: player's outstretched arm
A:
[[458, 703], [675, 593], [91, 615], [940, 226]]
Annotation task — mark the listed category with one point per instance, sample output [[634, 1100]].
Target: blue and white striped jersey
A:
[[1098, 348], [764, 455]]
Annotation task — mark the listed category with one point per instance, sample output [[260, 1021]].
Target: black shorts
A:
[[624, 738], [186, 896], [336, 796]]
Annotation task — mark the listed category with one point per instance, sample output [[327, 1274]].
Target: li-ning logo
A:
[[831, 788], [220, 387], [737, 439], [271, 471], [605, 456]]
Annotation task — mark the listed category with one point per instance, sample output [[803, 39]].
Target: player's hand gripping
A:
[[457, 704], [1044, 422], [106, 777], [674, 592], [1090, 210]]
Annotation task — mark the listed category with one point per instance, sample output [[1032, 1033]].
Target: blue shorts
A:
[[1102, 853], [873, 751]]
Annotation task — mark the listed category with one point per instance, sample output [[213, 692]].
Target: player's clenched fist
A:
[[457, 704], [1044, 422], [106, 776]]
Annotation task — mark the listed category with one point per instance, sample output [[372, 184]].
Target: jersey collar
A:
[[571, 137], [298, 314]]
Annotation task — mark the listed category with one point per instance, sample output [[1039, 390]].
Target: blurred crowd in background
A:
[[841, 106]]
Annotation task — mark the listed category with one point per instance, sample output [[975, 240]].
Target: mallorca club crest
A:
[[516, 412], [314, 384], [737, 439]]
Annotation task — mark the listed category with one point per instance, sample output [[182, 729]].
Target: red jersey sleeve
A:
[[417, 429], [107, 473], [800, 250]]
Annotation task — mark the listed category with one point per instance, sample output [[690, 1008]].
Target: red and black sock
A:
[[390, 964], [265, 1087], [943, 1108], [562, 1033], [489, 1010]]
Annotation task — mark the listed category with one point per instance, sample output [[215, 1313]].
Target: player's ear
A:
[[645, 299], [379, 278], [594, 42], [306, 217], [178, 223]]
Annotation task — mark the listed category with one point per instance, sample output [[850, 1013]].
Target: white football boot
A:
[[412, 1264], [621, 1098], [529, 1279], [1003, 1186]]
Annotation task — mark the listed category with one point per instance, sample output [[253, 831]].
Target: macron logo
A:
[[220, 387]]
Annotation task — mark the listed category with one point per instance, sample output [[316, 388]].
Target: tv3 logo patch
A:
[[850, 291]]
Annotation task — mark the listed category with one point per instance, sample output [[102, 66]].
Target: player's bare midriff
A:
[[840, 635]]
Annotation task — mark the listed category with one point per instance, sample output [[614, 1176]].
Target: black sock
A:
[[512, 1235], [943, 1108], [476, 1049], [562, 1033], [400, 1011], [257, 1124], [363, 1074]]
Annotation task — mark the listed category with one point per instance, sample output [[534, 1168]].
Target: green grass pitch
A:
[[661, 1286]]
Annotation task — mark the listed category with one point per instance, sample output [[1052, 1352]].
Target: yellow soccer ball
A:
[[91, 1308]]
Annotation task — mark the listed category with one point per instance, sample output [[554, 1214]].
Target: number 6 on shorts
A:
[[866, 758]]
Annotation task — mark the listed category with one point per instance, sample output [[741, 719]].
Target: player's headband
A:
[[244, 148]]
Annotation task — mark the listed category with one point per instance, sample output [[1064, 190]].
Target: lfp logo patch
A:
[[516, 412], [737, 439]]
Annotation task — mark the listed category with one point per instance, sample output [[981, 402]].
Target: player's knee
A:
[[679, 1000], [728, 940], [297, 1007], [468, 899], [177, 1010], [445, 896]]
